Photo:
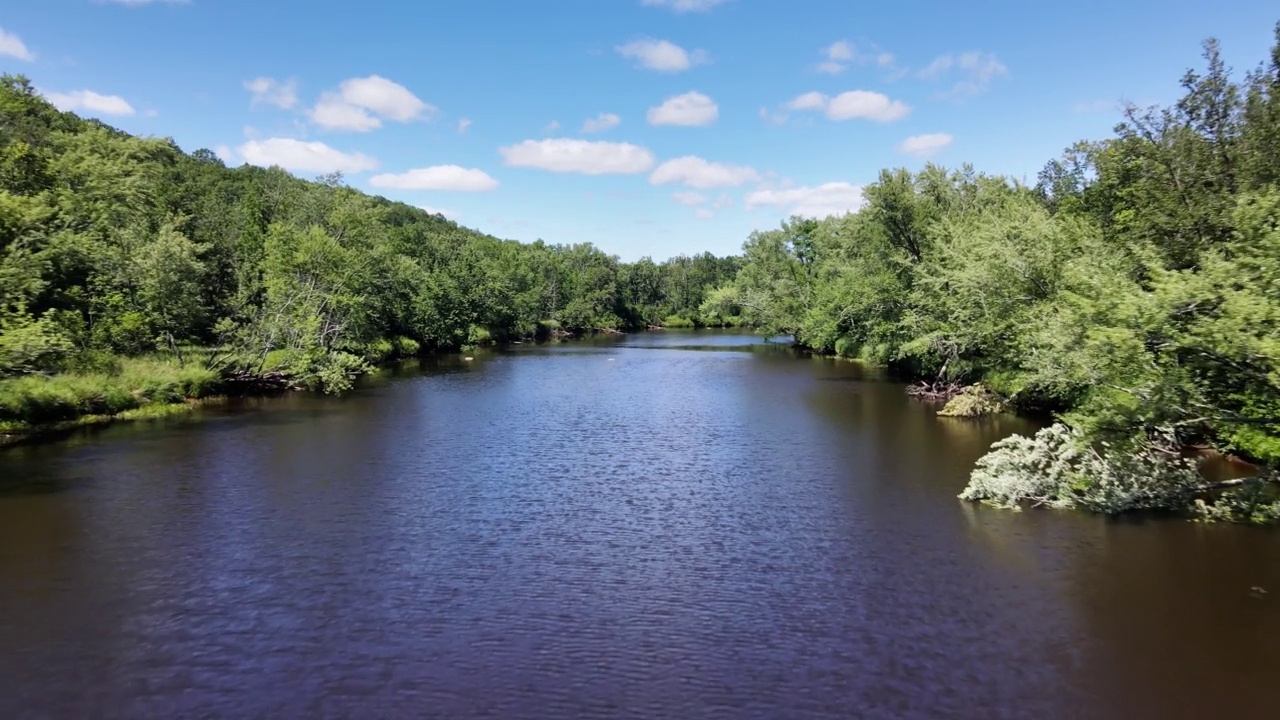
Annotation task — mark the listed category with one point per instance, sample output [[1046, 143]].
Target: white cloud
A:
[[225, 154], [273, 92], [333, 113], [840, 50], [361, 104], [12, 46], [695, 172], [440, 177], [579, 156], [839, 55], [601, 122], [302, 156], [974, 72], [90, 101], [722, 202], [689, 109], [855, 104], [705, 213], [661, 55], [834, 198], [923, 146], [683, 6], [692, 199], [809, 101], [463, 125], [867, 105], [551, 127]]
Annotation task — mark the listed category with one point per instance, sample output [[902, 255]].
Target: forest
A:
[[133, 274], [1132, 293]]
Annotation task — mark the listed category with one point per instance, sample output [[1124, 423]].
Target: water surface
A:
[[678, 525]]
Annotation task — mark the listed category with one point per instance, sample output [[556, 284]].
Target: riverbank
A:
[[124, 389]]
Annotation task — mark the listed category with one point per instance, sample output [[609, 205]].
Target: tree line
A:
[[1133, 292], [118, 250]]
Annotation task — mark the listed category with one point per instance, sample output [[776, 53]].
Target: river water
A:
[[675, 525]]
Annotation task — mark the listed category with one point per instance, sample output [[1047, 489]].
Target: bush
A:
[[973, 401], [1057, 469], [407, 347], [677, 322]]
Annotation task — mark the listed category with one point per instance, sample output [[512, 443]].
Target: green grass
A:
[[131, 385]]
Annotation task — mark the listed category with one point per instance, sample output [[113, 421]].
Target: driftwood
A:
[[250, 383], [935, 391]]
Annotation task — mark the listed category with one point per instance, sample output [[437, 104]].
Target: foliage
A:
[[114, 245], [1134, 292], [1057, 468], [973, 401]]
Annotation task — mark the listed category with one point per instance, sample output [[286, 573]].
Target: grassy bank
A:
[[128, 388]]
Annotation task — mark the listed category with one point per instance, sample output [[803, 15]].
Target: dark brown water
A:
[[624, 529]]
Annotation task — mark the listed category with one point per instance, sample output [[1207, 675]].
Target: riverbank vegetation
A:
[[133, 274], [1134, 292]]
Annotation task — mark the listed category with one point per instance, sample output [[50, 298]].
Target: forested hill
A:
[[114, 246]]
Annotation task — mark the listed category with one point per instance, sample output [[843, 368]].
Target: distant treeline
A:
[[1134, 291]]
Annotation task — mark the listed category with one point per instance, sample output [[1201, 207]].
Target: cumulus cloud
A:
[[361, 104], [303, 156], [564, 155], [834, 198], [551, 127], [695, 172], [89, 101], [463, 125], [12, 46], [439, 177], [270, 91], [809, 101], [852, 105], [601, 122], [689, 109], [684, 6], [922, 146], [973, 72], [661, 55]]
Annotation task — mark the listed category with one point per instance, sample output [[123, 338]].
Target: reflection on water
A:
[[662, 525]]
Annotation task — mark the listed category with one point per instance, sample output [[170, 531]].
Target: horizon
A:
[[645, 127]]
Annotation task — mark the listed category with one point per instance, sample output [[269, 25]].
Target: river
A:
[[680, 525]]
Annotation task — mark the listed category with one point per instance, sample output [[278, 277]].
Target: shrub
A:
[[1058, 469], [973, 401]]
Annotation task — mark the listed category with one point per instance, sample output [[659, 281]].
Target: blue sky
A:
[[709, 118]]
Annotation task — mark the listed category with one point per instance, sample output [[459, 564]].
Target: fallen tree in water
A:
[[1058, 468]]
